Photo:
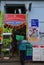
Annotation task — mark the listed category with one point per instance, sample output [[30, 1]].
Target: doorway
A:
[[21, 30], [15, 8]]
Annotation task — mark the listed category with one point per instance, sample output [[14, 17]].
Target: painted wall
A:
[[0, 6], [37, 11]]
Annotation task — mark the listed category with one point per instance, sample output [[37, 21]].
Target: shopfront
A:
[[18, 20], [14, 27]]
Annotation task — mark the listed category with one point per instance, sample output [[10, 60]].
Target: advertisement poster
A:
[[34, 31], [33, 34]]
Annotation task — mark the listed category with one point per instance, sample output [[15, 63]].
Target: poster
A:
[[33, 34], [33, 31]]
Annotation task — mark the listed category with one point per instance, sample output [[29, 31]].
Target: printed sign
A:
[[33, 34], [16, 23], [35, 22]]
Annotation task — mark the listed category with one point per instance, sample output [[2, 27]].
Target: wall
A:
[[36, 12], [0, 6]]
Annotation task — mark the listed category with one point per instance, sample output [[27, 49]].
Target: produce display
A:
[[1, 18], [5, 52], [6, 42], [6, 47], [1, 35], [7, 39], [7, 30], [0, 50]]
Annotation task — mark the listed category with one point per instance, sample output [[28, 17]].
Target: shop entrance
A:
[[20, 30], [15, 8]]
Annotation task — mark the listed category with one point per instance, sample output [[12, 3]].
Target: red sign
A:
[[15, 17]]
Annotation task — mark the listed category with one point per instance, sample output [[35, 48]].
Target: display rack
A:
[[7, 33], [5, 46]]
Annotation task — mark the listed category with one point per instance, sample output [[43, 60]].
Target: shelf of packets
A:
[[29, 51]]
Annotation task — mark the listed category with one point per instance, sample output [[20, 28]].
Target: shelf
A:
[[7, 49], [0, 43], [6, 58], [7, 33]]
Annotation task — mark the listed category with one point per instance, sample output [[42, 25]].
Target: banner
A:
[[14, 19], [33, 31]]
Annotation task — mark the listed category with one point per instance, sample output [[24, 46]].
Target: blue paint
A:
[[35, 22], [14, 22], [28, 57]]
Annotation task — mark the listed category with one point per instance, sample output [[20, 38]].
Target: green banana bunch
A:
[[7, 30], [3, 50], [7, 42], [1, 18], [6, 52]]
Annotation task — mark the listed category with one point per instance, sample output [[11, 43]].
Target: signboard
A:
[[14, 19], [34, 22], [33, 31]]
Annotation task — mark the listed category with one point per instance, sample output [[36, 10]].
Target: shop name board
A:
[[14, 23], [15, 17]]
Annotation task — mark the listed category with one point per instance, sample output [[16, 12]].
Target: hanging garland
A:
[[16, 27]]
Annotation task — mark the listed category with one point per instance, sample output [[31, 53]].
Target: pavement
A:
[[27, 63]]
